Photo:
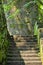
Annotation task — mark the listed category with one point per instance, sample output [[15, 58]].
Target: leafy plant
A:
[[3, 34]]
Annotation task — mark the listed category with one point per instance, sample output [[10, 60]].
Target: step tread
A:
[[26, 40], [25, 57], [23, 54], [23, 49], [24, 45], [25, 61], [27, 51]]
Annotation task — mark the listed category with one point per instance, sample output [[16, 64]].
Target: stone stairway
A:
[[23, 52]]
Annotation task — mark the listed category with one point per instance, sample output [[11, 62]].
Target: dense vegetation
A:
[[27, 5], [24, 12], [3, 34], [34, 10]]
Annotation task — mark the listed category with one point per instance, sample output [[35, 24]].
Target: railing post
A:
[[41, 49]]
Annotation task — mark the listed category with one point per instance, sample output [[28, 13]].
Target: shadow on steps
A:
[[26, 42], [14, 57]]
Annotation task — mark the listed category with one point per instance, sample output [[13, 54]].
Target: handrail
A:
[[40, 40], [41, 44], [41, 49]]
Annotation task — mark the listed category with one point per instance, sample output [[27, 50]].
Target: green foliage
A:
[[3, 29], [14, 14], [6, 7], [35, 29], [2, 55], [29, 3], [36, 32], [40, 10], [3, 35]]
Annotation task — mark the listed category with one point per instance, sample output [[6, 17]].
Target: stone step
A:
[[23, 48], [28, 40], [25, 58], [27, 51], [23, 61], [33, 63], [25, 43], [30, 52], [32, 36], [22, 45], [25, 38], [22, 54]]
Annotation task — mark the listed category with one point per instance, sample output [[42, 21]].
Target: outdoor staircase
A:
[[23, 51]]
